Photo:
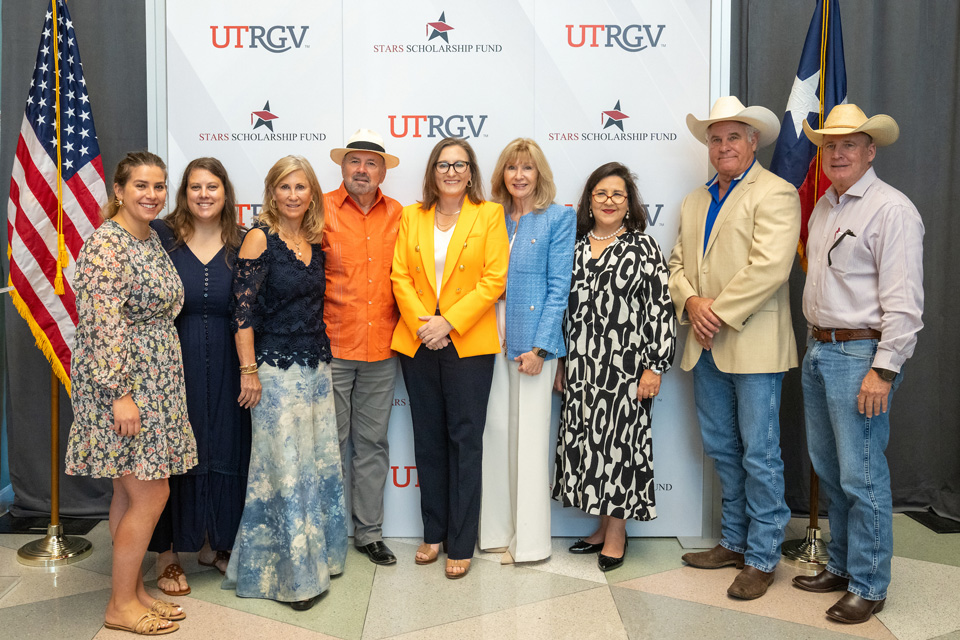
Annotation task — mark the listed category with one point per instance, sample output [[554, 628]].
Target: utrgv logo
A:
[[455, 126], [277, 39], [629, 38]]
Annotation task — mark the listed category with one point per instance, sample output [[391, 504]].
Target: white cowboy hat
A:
[[365, 140], [730, 109], [849, 118]]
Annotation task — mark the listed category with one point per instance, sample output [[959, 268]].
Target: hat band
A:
[[363, 145]]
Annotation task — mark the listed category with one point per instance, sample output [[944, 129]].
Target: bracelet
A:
[[248, 369]]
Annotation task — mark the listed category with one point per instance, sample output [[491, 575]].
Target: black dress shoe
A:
[[378, 552], [303, 605], [823, 582], [582, 546], [852, 609], [607, 563]]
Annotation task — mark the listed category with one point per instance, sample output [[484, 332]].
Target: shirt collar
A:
[[342, 195], [858, 189], [716, 176]]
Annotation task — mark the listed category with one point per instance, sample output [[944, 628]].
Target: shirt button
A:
[[418, 269], [420, 291], [462, 267], [370, 323], [417, 248], [369, 280], [531, 307], [534, 241], [464, 245], [370, 302], [369, 259], [458, 289], [368, 237]]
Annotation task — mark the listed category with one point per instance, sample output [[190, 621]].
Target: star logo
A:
[[440, 28], [264, 117], [803, 101], [614, 116]]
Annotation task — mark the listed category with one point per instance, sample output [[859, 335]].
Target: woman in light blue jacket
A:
[[515, 511]]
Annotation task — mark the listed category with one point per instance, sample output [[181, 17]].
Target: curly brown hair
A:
[[180, 219]]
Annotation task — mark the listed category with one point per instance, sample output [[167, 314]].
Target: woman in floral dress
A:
[[293, 533], [129, 402]]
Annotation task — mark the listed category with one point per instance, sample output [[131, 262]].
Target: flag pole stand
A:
[[55, 549], [809, 552]]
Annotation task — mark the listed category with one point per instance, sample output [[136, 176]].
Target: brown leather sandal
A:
[[428, 551], [465, 563], [222, 556], [168, 610], [173, 572], [149, 624]]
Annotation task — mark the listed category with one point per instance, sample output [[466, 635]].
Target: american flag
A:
[[33, 215]]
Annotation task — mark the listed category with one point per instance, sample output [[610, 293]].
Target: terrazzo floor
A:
[[652, 596]]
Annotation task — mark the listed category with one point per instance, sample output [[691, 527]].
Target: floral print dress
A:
[[127, 296]]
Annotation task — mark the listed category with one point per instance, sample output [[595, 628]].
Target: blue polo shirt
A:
[[716, 203]]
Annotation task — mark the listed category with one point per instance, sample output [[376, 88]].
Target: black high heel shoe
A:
[[582, 546], [606, 563]]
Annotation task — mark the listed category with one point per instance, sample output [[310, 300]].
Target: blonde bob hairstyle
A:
[[431, 193], [520, 150], [122, 173], [269, 216]]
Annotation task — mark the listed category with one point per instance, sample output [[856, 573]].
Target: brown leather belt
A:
[[843, 335]]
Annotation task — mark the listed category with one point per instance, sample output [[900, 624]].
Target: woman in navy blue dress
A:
[[203, 513]]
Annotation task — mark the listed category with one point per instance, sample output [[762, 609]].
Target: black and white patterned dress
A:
[[619, 322]]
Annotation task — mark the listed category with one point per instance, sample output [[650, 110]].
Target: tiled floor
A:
[[652, 596]]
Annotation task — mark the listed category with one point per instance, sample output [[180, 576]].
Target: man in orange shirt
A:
[[359, 234]]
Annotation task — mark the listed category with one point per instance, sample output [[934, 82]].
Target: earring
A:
[[469, 183], [117, 201], [311, 205], [273, 203]]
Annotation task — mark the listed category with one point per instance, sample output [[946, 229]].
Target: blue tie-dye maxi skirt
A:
[[293, 533]]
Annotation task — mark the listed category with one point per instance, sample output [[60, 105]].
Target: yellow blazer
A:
[[745, 269], [474, 277]]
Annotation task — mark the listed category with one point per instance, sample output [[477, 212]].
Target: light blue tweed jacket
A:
[[538, 281]]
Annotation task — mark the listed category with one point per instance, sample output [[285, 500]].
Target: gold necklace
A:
[[296, 244]]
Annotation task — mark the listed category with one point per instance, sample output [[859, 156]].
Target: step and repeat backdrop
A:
[[249, 82]]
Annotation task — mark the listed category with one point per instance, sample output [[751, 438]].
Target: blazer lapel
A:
[[425, 243], [468, 217], [731, 204]]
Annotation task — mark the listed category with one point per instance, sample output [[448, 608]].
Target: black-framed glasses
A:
[[602, 196], [458, 167]]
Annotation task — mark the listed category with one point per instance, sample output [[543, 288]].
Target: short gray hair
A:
[[752, 131]]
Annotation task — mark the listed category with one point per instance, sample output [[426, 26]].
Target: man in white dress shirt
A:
[[863, 300]]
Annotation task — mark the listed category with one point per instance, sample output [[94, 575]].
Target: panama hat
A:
[[365, 140], [849, 118], [730, 109]]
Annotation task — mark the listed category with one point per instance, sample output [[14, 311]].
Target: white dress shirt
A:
[[865, 266]]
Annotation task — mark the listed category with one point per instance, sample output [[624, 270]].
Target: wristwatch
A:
[[543, 353], [656, 371], [885, 374]]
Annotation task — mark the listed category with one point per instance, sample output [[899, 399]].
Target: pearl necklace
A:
[[296, 244], [596, 237]]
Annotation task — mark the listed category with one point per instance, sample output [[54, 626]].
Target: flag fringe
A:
[[40, 338]]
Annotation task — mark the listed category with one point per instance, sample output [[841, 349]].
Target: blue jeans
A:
[[846, 449], [739, 416]]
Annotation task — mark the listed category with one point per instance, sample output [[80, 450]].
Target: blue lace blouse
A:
[[281, 298]]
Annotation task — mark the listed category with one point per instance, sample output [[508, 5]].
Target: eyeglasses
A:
[[602, 196], [459, 166]]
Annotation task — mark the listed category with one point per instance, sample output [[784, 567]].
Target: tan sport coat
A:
[[744, 269]]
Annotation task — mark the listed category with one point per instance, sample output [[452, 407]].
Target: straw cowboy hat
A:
[[365, 140], [849, 118], [730, 109]]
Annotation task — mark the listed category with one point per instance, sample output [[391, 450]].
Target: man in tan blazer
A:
[[728, 280]]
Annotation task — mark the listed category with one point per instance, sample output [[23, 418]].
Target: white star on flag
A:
[[803, 101]]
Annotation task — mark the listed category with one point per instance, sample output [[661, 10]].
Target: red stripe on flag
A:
[[36, 183]]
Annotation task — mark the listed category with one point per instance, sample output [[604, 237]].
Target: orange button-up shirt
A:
[[359, 309]]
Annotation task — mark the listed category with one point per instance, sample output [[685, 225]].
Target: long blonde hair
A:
[[312, 225], [545, 190]]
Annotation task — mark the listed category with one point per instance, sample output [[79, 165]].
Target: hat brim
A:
[[883, 129], [337, 156], [760, 117]]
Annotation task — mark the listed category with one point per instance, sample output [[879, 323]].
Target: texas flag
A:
[[820, 85]]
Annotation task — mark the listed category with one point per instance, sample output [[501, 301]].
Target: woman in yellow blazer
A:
[[449, 268]]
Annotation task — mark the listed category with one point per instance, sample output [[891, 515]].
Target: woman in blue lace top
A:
[[293, 533]]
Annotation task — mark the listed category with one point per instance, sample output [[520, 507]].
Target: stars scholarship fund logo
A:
[[437, 30], [265, 118]]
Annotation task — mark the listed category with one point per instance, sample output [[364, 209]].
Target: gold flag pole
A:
[[810, 552], [55, 549]]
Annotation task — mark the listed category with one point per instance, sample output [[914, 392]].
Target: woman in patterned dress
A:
[[620, 332], [293, 533], [202, 237], [129, 404]]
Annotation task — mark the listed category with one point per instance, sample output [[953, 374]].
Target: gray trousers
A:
[[363, 395]]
